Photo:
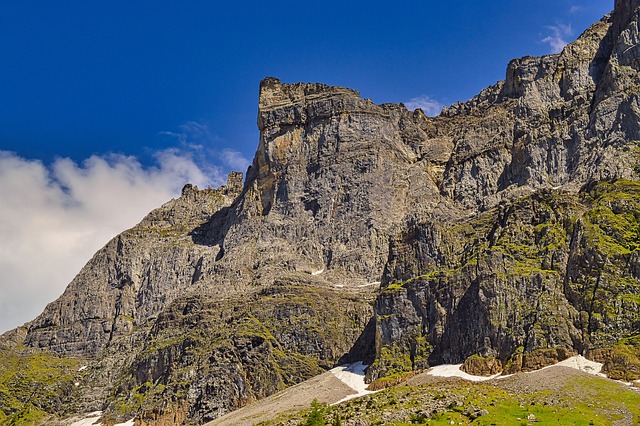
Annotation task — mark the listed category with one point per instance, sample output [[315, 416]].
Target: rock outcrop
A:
[[504, 232], [530, 282], [133, 277], [546, 268]]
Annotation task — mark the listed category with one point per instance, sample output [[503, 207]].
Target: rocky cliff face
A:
[[133, 277], [523, 285], [179, 318], [503, 233], [546, 268]]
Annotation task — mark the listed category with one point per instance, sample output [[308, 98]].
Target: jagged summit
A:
[[274, 94], [504, 231]]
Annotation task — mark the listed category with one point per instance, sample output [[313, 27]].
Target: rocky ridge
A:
[[504, 232], [556, 142]]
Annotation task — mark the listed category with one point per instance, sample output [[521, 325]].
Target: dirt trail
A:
[[326, 388]]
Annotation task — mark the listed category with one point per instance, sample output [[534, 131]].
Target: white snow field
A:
[[581, 363], [578, 362], [92, 419], [453, 370], [352, 375]]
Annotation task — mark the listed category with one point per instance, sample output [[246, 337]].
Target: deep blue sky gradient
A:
[[87, 77]]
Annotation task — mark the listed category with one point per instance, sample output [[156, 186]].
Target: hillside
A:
[[554, 395]]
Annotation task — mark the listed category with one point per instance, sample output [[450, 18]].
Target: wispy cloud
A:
[[558, 39], [234, 160], [428, 105], [575, 9], [192, 134], [54, 217], [199, 142]]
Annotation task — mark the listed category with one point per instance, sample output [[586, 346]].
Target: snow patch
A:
[[370, 284], [84, 367], [449, 370], [92, 419], [352, 375], [581, 363], [578, 362], [317, 272]]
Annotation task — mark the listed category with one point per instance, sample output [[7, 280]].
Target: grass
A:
[[584, 400], [33, 386]]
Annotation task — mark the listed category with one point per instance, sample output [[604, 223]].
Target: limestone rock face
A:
[[558, 120], [482, 366], [332, 177], [542, 269], [504, 233], [540, 278], [132, 278]]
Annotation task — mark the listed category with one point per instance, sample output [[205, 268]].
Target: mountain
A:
[[503, 233]]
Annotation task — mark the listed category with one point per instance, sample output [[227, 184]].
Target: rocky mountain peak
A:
[[274, 95]]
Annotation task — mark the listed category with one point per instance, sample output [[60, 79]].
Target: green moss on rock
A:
[[35, 386], [553, 271]]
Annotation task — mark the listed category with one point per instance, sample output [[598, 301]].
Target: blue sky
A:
[[82, 78], [108, 108]]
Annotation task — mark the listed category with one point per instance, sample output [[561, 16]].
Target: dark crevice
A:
[[364, 349], [593, 298]]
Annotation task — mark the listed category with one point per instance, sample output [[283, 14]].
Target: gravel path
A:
[[326, 388]]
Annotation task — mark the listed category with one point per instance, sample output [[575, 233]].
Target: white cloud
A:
[[575, 9], [557, 40], [235, 160], [197, 139], [429, 106], [54, 217], [191, 133]]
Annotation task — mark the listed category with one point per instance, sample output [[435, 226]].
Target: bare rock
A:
[[482, 366]]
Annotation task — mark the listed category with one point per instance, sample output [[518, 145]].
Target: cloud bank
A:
[[54, 217], [557, 40], [429, 106]]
